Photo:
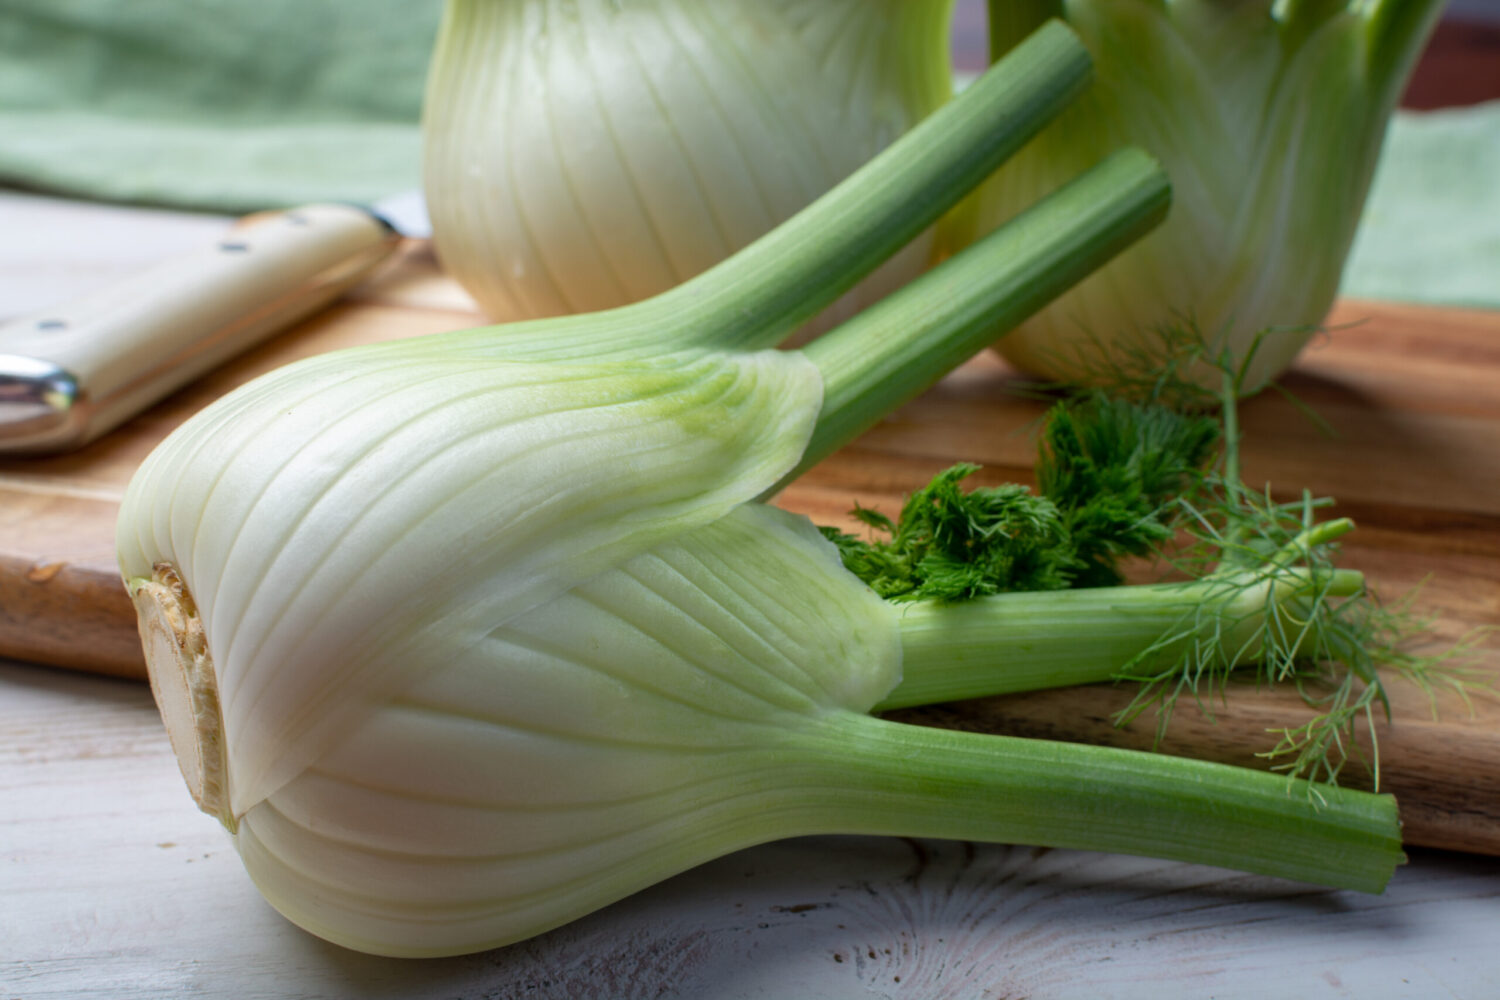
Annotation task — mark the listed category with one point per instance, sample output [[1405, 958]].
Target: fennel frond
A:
[[1124, 472], [1336, 644]]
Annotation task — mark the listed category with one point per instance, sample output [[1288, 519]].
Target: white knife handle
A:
[[69, 374]]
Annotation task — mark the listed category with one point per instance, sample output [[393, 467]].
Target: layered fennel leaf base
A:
[[693, 702]]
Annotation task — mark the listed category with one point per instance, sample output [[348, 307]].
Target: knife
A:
[[69, 374]]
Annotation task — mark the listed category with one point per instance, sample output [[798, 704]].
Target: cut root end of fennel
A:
[[183, 683]]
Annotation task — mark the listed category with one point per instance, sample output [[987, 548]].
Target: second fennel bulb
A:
[[582, 155], [1268, 116]]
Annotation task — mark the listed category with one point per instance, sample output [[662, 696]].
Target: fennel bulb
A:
[[706, 695], [1268, 116], [406, 501], [467, 635], [581, 155]]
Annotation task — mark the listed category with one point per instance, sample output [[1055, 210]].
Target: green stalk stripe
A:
[[1398, 30]]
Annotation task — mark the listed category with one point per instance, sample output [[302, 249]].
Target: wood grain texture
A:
[[1412, 395], [61, 601]]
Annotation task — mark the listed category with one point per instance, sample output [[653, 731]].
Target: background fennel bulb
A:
[[582, 154], [1268, 115]]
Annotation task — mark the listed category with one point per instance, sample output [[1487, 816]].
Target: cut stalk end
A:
[[184, 686]]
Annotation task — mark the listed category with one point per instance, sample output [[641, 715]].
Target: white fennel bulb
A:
[[682, 704], [685, 704], [355, 516], [583, 154], [1268, 116]]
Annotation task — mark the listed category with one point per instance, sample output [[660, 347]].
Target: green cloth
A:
[[235, 105], [1431, 227], [230, 105]]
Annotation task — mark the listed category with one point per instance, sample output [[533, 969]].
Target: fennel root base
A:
[[184, 686]]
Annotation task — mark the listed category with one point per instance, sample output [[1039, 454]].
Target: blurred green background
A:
[[230, 105], [238, 105]]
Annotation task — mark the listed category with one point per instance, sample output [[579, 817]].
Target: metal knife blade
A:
[[74, 372], [406, 213]]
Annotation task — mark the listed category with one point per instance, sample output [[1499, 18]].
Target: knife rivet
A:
[[52, 324], [234, 247]]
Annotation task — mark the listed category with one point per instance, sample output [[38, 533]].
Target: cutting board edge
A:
[[68, 615]]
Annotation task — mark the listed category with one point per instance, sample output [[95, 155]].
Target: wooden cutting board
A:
[[1412, 395]]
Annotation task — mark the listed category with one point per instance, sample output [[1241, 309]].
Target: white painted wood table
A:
[[113, 885]]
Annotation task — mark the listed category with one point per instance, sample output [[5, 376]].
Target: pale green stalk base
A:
[[845, 773], [1033, 641], [1029, 641]]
